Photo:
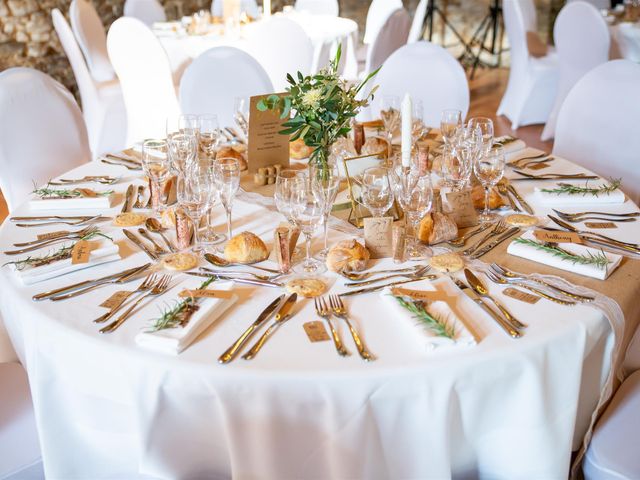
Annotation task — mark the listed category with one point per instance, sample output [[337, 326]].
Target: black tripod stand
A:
[[432, 10], [492, 23]]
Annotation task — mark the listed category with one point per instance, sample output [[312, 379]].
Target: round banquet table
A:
[[322, 29], [106, 408]]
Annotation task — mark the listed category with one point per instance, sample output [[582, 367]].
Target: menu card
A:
[[266, 146], [378, 236]]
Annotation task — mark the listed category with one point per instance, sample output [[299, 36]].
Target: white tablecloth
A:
[[105, 407]]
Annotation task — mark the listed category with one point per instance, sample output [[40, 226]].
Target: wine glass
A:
[[489, 169], [483, 127], [325, 180], [457, 164], [183, 151], [390, 114], [450, 122], [194, 197], [284, 189], [156, 165], [418, 127], [307, 212], [186, 123], [377, 194], [241, 115], [227, 178], [209, 135]]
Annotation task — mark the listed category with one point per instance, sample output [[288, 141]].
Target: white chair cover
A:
[[42, 135], [598, 122], [378, 13], [20, 458], [250, 7], [147, 11], [627, 37], [533, 81], [582, 39], [145, 76], [318, 7], [92, 38], [102, 102], [216, 77], [390, 38], [426, 72], [599, 4], [281, 46], [417, 25]]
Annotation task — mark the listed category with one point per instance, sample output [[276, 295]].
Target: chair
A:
[[20, 458], [145, 76], [427, 72], [216, 77], [147, 11], [318, 7], [92, 38], [281, 46], [250, 7], [417, 26], [378, 13], [533, 81], [599, 4], [43, 133], [582, 39], [598, 122], [390, 38], [102, 103]]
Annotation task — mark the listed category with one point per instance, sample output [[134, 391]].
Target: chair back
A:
[[427, 72], [147, 11], [604, 137], [215, 78], [519, 18], [43, 133], [417, 25], [281, 46], [378, 13], [627, 36], [145, 77], [318, 7], [92, 39], [391, 37]]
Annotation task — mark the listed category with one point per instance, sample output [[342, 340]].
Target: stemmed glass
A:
[[483, 127], [450, 122], [183, 151], [227, 178], [241, 115], [377, 194], [284, 189], [418, 128], [457, 164], [186, 123], [155, 161], [489, 169], [307, 212], [325, 180], [209, 135], [196, 191], [390, 114]]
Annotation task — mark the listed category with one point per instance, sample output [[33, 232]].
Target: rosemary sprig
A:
[[569, 189], [438, 326], [599, 260], [47, 192], [179, 314]]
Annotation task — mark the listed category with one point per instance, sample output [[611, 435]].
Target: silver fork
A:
[[580, 214], [82, 221], [158, 289], [79, 233], [581, 217], [43, 243], [147, 284], [504, 272], [340, 311], [459, 242], [499, 228], [505, 281], [550, 158], [229, 273], [325, 312], [417, 274]]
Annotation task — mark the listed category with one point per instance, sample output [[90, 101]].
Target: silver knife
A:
[[553, 176], [248, 281], [494, 243], [521, 200], [55, 217], [123, 159], [282, 316], [127, 196], [571, 228], [512, 332], [381, 287], [266, 314], [139, 243]]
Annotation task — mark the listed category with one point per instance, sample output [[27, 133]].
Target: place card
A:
[[520, 295], [378, 236], [538, 166], [80, 252], [462, 210], [419, 295], [51, 235], [557, 237], [600, 225], [116, 299], [266, 146], [204, 293], [315, 331]]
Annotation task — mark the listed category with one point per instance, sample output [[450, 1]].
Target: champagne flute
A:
[[209, 135], [418, 127], [156, 165], [456, 165], [241, 115], [390, 114], [325, 180], [284, 189], [186, 123], [183, 151], [489, 169], [227, 178], [194, 193], [377, 194], [483, 126], [450, 122], [307, 211]]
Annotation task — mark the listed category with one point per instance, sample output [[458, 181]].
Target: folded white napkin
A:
[[511, 145], [547, 258], [95, 203], [106, 252], [553, 199], [175, 340], [461, 337]]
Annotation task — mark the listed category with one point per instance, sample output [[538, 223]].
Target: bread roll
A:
[[437, 227], [230, 152], [495, 199], [347, 255], [246, 248], [298, 150]]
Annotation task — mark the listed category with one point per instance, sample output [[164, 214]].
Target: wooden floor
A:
[[486, 91]]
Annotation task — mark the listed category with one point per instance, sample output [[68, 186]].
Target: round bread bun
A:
[[447, 262], [520, 220], [347, 255], [230, 152], [298, 150], [374, 145], [247, 248], [306, 287], [179, 262], [129, 219]]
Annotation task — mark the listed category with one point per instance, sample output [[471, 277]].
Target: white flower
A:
[[311, 98]]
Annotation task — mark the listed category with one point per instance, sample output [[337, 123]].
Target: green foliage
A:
[[600, 260], [437, 326], [570, 189]]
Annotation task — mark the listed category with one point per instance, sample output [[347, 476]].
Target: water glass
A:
[[457, 164], [156, 165], [183, 151], [325, 180], [390, 114], [187, 123], [227, 179], [285, 186], [489, 169], [450, 122], [209, 135], [241, 114], [377, 194], [307, 212], [194, 197], [483, 127]]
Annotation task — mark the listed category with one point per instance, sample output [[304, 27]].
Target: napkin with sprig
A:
[[594, 192], [51, 197]]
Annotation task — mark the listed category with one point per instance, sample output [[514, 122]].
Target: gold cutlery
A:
[[140, 198], [284, 314], [502, 188], [554, 176], [504, 281], [548, 159], [81, 233], [265, 315], [119, 158], [119, 164], [44, 243], [580, 214], [221, 262], [127, 199], [587, 234], [340, 311], [103, 179], [377, 288], [482, 291], [158, 250], [520, 200], [146, 284], [498, 228], [235, 272], [135, 240], [156, 227], [160, 287], [364, 275], [418, 273], [607, 217], [126, 274], [324, 312], [516, 162], [38, 223], [494, 243], [248, 281], [460, 241]]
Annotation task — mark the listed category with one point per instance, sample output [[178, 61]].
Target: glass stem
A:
[[228, 210], [308, 248], [326, 230], [196, 227], [486, 201]]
